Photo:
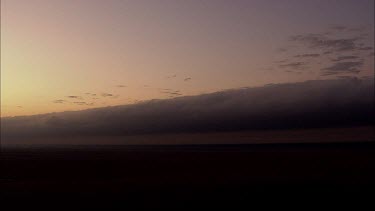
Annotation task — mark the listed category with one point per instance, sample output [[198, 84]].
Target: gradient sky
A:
[[124, 51]]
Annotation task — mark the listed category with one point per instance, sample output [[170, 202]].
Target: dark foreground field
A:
[[210, 173]]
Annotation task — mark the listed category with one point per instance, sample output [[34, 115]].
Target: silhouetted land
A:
[[189, 172]]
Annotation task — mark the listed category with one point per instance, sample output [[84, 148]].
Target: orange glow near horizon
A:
[[121, 52]]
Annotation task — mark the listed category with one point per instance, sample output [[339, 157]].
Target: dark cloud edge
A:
[[309, 104]]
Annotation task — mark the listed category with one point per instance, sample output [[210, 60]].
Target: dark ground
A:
[[152, 175]]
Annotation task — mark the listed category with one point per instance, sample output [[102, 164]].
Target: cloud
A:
[[74, 97], [357, 29], [347, 77], [106, 95], [319, 103], [323, 42], [282, 61], [55, 121], [343, 67], [59, 101], [338, 41], [365, 48], [307, 55], [339, 28], [171, 92], [292, 71], [281, 50], [294, 65], [175, 93], [80, 103], [187, 79], [90, 94], [342, 28], [120, 86], [172, 76], [340, 58]]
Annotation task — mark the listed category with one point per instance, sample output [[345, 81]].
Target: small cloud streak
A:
[[313, 55], [366, 48], [323, 42], [172, 76], [106, 95], [294, 65], [340, 58], [74, 97], [59, 101], [342, 67]]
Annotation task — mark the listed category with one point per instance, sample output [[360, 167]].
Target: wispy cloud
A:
[[307, 55], [171, 93], [80, 103], [59, 101], [83, 103], [339, 28], [172, 76], [74, 97], [90, 94], [121, 86], [341, 58], [341, 50], [294, 65], [106, 95], [342, 67], [368, 48], [281, 50], [282, 61], [322, 42]]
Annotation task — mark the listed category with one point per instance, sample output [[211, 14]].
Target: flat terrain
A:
[[188, 172]]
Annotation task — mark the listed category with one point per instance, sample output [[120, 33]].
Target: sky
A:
[[59, 55]]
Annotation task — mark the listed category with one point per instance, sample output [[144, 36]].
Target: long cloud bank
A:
[[319, 103]]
